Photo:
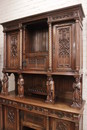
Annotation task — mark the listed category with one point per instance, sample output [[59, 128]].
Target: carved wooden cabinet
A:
[[45, 54]]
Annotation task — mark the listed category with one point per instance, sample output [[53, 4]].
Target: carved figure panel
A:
[[13, 50]]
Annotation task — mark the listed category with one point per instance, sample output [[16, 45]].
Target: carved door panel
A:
[[57, 124], [63, 47], [10, 118], [13, 51]]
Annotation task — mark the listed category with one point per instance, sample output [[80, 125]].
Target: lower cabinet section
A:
[[14, 118]]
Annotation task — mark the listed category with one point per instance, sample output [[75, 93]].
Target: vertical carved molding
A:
[[50, 46], [77, 97], [77, 45], [47, 123], [4, 48], [76, 126], [1, 117], [20, 46], [18, 119]]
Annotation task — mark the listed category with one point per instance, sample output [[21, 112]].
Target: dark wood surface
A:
[[45, 54]]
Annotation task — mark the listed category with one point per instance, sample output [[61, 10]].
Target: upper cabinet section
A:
[[35, 46], [46, 43]]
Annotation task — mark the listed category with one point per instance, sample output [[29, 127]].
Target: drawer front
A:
[[34, 118]]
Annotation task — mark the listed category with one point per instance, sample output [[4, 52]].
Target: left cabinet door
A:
[[12, 50], [10, 118]]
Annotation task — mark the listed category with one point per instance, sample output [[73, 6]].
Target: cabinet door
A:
[[13, 51], [63, 47], [10, 118], [57, 124]]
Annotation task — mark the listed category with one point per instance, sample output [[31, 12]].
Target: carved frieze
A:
[[63, 16]]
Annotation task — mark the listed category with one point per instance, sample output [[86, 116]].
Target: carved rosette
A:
[[50, 90], [77, 98]]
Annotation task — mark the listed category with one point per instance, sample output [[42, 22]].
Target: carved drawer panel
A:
[[34, 118], [57, 124]]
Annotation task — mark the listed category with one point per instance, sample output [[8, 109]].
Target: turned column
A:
[[20, 26], [50, 46]]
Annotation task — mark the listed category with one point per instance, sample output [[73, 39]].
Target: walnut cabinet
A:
[[45, 54]]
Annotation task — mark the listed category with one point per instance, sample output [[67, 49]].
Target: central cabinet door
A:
[[63, 47], [35, 47]]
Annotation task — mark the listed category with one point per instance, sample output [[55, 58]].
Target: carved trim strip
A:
[[59, 17], [44, 111]]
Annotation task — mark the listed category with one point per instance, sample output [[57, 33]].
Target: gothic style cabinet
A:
[[45, 54]]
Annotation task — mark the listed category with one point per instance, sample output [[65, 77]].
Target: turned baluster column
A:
[[50, 46], [20, 26]]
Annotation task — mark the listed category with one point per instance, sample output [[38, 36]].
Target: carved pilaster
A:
[[50, 46], [20, 46], [4, 54], [77, 46], [77, 97], [20, 86], [50, 90], [5, 84], [47, 123]]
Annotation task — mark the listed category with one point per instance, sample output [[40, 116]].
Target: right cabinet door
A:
[[57, 124], [64, 47]]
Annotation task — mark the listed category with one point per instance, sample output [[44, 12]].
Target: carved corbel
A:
[[5, 83], [77, 96], [20, 85], [50, 90]]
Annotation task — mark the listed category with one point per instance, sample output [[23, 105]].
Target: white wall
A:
[[14, 9]]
